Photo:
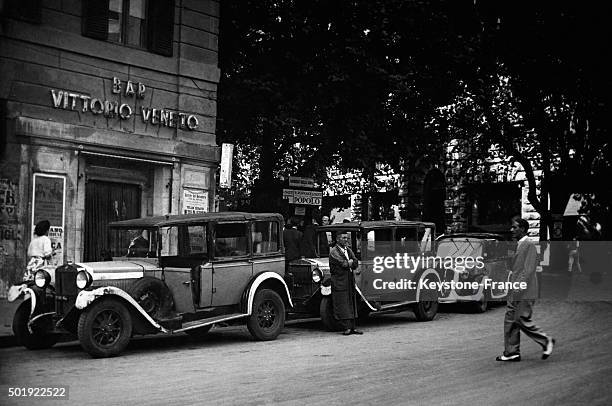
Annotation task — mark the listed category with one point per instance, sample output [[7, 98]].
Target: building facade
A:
[[107, 112]]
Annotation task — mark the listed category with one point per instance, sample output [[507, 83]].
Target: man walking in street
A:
[[520, 302], [342, 262]]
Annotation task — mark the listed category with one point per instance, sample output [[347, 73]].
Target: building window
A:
[[24, 10], [140, 23], [126, 22]]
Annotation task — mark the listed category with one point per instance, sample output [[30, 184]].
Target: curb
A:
[[8, 341]]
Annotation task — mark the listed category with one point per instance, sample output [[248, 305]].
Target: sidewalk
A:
[[7, 310]]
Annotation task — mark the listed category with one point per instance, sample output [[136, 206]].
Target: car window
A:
[[137, 242], [406, 240], [379, 242], [265, 237], [197, 240], [169, 241], [460, 247], [425, 238], [230, 240]]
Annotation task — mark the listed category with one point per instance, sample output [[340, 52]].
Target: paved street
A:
[[397, 361]]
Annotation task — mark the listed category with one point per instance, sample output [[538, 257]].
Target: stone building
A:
[[107, 112]]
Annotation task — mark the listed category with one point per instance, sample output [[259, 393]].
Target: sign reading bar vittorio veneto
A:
[[64, 99]]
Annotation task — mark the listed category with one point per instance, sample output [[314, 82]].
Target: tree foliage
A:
[[339, 83]]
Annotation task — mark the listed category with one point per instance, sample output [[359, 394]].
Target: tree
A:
[[313, 84], [541, 93]]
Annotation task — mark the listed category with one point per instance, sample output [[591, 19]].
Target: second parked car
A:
[[309, 278]]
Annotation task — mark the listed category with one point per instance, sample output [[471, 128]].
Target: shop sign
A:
[[195, 201], [67, 100], [225, 177], [49, 193], [305, 197], [297, 181]]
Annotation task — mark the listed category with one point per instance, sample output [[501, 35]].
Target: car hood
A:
[[117, 269]]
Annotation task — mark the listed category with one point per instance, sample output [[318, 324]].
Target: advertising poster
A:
[[195, 201], [49, 193]]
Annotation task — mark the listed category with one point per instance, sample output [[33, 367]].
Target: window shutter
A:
[[24, 10], [160, 23], [95, 19]]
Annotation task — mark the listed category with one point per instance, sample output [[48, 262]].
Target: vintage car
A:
[[309, 278], [168, 274], [490, 264]]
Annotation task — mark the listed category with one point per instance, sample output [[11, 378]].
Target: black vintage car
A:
[[395, 289], [168, 274]]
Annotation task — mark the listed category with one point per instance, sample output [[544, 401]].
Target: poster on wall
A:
[[195, 201], [49, 192]]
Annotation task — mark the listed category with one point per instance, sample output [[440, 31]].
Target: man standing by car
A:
[[292, 238], [520, 302], [342, 262]]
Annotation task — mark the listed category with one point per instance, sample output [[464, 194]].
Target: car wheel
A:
[[105, 328], [327, 314], [427, 306], [37, 340], [268, 317], [426, 310], [199, 333], [153, 296]]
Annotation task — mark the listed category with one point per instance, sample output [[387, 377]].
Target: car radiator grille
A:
[[301, 278]]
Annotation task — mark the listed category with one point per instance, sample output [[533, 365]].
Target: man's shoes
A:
[[509, 358], [353, 331], [346, 332], [549, 348]]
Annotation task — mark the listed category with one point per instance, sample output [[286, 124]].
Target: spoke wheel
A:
[[268, 317], [105, 328]]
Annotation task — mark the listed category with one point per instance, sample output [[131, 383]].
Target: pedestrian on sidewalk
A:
[[342, 263], [39, 250], [520, 302]]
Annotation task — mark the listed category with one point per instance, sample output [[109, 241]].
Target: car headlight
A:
[[42, 279], [83, 279], [316, 275]]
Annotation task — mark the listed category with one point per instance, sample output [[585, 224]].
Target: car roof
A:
[[174, 219], [482, 236], [374, 224]]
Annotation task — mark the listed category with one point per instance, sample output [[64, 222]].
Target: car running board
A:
[[207, 322], [395, 305]]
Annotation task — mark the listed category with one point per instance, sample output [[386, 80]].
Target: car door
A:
[[185, 274], [232, 267]]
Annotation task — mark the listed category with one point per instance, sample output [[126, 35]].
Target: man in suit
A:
[[520, 302], [342, 262], [292, 238]]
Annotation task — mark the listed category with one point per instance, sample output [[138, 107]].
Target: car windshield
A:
[[327, 239], [133, 242], [460, 247]]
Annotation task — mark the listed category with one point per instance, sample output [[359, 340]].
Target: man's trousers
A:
[[517, 319]]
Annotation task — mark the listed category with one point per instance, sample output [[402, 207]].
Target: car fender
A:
[[256, 282], [87, 297], [426, 273], [16, 291]]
